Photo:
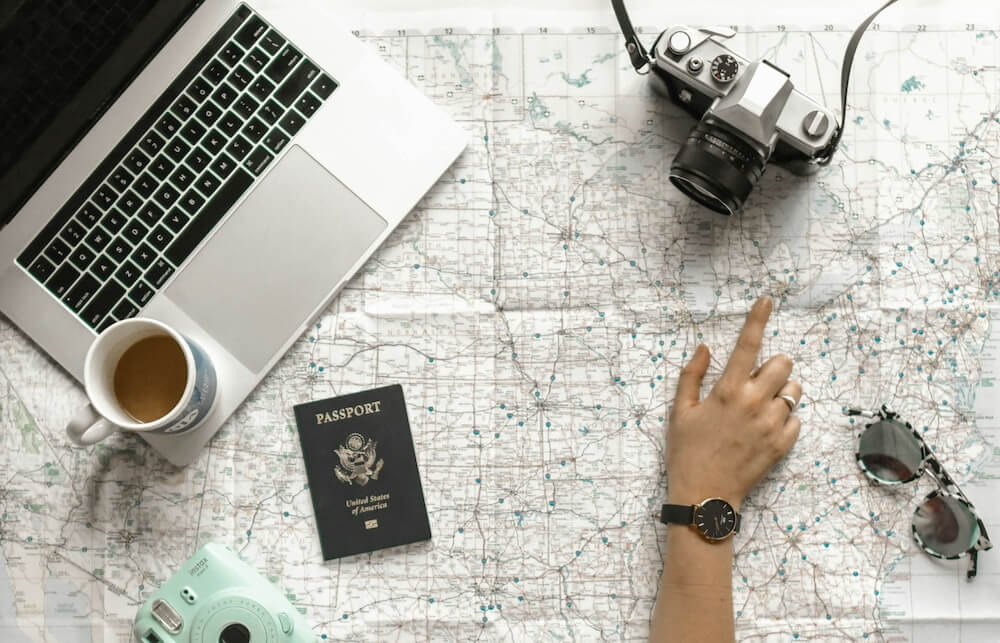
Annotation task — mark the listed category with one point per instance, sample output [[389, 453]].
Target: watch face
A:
[[715, 518]]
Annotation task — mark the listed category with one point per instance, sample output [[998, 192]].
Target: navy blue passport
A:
[[362, 472]]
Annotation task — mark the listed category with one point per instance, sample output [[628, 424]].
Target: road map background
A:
[[536, 307]]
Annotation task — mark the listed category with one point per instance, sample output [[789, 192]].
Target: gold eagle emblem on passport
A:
[[357, 460]]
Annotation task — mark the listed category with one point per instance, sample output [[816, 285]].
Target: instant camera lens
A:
[[717, 166], [945, 525], [235, 633], [889, 452]]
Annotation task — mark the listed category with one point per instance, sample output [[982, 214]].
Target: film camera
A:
[[217, 598], [749, 112]]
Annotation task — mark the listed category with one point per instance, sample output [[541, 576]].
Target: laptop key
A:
[[150, 214], [250, 32], [103, 267], [88, 215], [271, 112], [109, 320], [100, 305], [276, 140], [191, 202], [183, 107], [127, 273], [72, 233], [134, 231], [223, 166], [81, 257], [303, 75], [193, 131], [151, 143], [224, 95], [113, 221], [199, 89], [177, 149], [239, 147], [211, 214], [143, 255], [272, 42], [136, 161], [215, 71], [255, 59], [166, 196], [207, 184], [41, 269], [292, 122], [124, 309], [141, 293], [118, 250], [160, 237], [324, 86], [182, 177], [104, 197], [258, 160], [57, 251], [208, 114], [254, 129], [214, 142], [63, 278], [158, 273], [81, 293], [98, 239], [283, 64], [308, 104], [145, 185], [231, 123], [261, 88], [176, 220], [129, 203], [168, 125], [197, 159], [120, 178], [240, 77], [231, 54], [161, 167]]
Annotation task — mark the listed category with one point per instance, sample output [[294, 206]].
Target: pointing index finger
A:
[[748, 346]]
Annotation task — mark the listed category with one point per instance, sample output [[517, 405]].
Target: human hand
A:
[[723, 445]]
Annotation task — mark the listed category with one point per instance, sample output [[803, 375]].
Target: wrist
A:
[[695, 494]]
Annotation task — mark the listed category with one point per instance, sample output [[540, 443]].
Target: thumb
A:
[[689, 383]]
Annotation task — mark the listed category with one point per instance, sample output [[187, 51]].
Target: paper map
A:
[[536, 308]]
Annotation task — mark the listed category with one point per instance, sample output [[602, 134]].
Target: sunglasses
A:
[[945, 524]]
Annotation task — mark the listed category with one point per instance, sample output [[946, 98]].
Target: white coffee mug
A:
[[104, 415]]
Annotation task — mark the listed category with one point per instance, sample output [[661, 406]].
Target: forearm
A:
[[695, 601]]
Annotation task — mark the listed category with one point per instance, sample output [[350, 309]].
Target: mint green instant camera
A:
[[217, 598]]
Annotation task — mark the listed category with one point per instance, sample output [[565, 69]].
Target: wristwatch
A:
[[714, 518]]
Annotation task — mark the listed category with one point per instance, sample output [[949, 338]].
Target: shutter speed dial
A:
[[725, 68]]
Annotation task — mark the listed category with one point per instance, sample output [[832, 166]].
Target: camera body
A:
[[749, 114], [217, 598]]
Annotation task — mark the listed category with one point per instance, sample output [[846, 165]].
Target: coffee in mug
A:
[[142, 375]]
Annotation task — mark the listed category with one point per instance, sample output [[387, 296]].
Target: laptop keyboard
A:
[[177, 172]]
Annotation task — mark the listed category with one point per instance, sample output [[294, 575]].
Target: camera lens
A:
[[235, 633], [718, 166]]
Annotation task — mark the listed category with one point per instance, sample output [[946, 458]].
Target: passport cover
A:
[[362, 472]]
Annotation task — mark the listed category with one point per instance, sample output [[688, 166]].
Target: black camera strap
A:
[[640, 58], [845, 79]]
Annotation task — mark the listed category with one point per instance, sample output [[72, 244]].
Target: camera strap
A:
[[845, 79], [636, 52], [640, 58]]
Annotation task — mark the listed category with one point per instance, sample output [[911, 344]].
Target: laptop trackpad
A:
[[274, 261]]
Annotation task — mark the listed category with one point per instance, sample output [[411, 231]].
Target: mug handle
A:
[[88, 427]]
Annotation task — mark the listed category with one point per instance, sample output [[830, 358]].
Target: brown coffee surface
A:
[[150, 378]]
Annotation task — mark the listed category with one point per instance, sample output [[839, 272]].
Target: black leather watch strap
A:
[[677, 514]]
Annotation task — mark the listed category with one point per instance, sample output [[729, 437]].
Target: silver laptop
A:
[[222, 166]]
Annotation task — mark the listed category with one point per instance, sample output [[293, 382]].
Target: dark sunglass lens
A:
[[889, 451], [945, 525]]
